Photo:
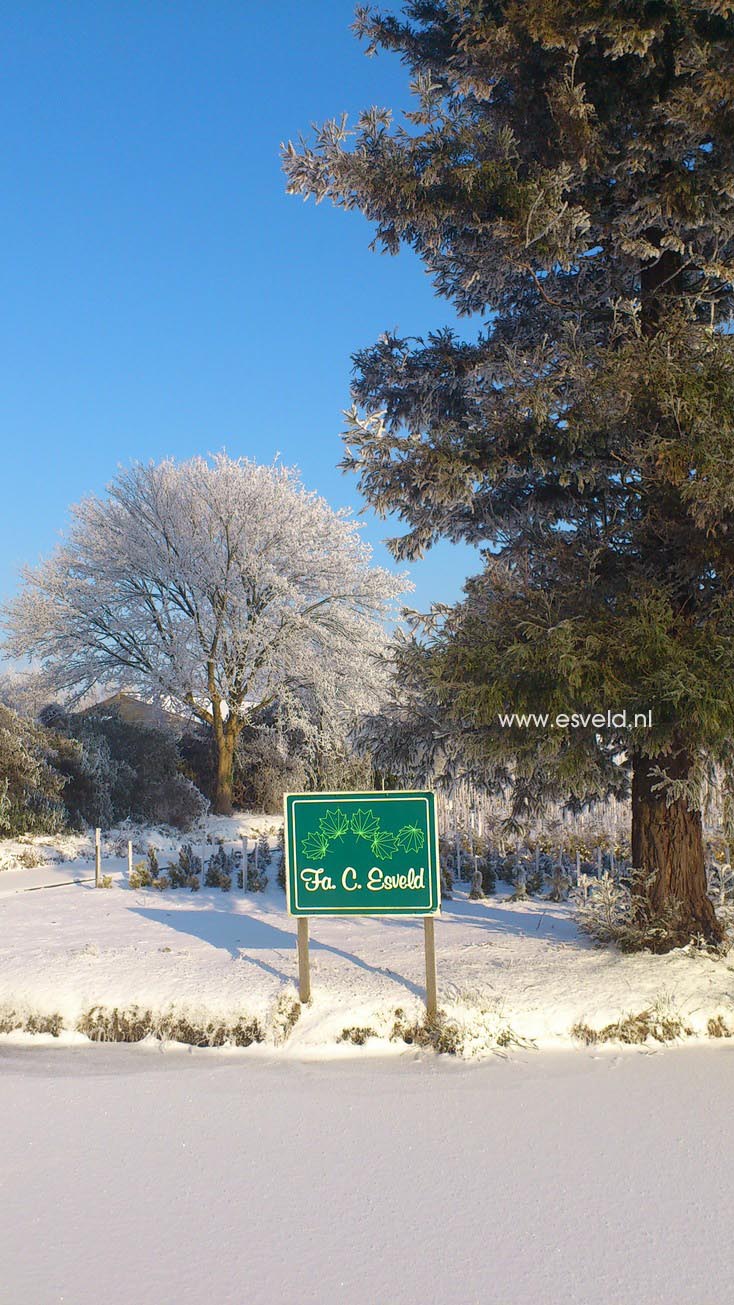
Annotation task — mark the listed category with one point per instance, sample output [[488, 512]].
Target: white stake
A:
[[97, 857], [129, 858]]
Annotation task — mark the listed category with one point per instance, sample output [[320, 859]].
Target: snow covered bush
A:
[[220, 869], [31, 786], [117, 769], [146, 874], [263, 772], [140, 876], [620, 912], [186, 872]]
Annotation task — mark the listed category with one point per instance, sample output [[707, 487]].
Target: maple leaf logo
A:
[[383, 845], [365, 824], [315, 845], [335, 824], [411, 838]]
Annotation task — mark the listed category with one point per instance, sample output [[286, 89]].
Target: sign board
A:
[[361, 854]]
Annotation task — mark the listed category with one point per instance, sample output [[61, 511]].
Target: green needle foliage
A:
[[567, 178]]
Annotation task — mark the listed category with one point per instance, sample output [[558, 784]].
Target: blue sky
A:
[[161, 294]]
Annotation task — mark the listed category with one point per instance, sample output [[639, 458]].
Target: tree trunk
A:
[[667, 842], [224, 745]]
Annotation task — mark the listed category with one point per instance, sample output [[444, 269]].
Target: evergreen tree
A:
[[567, 175], [30, 783]]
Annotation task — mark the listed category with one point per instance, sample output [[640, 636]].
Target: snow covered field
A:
[[139, 1177], [306, 1167], [508, 972]]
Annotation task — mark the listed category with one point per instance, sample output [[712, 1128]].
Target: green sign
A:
[[361, 854]]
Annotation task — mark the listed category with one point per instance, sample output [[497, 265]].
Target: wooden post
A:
[[97, 857], [431, 981], [457, 844], [245, 844], [304, 965], [129, 858], [578, 864]]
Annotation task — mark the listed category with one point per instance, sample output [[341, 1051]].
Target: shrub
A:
[[11, 1021], [140, 876], [478, 1026], [622, 913], [29, 858], [187, 870], [357, 1035], [280, 849], [659, 1023], [145, 873], [123, 769], [559, 885], [31, 786], [264, 771], [264, 854], [220, 868], [285, 1015], [101, 1024]]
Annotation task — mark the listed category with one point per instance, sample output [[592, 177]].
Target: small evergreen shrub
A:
[[559, 885], [186, 873], [264, 853], [257, 881], [140, 876], [220, 869]]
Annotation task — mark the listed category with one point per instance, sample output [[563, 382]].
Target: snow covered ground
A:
[[135, 1176], [508, 972]]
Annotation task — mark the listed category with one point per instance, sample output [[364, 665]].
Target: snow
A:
[[131, 1174], [506, 970]]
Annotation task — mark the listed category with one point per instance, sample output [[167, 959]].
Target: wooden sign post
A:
[[431, 979], [304, 961], [363, 854], [97, 857]]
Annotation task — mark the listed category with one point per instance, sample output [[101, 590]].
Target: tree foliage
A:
[[207, 585], [567, 177], [31, 787]]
